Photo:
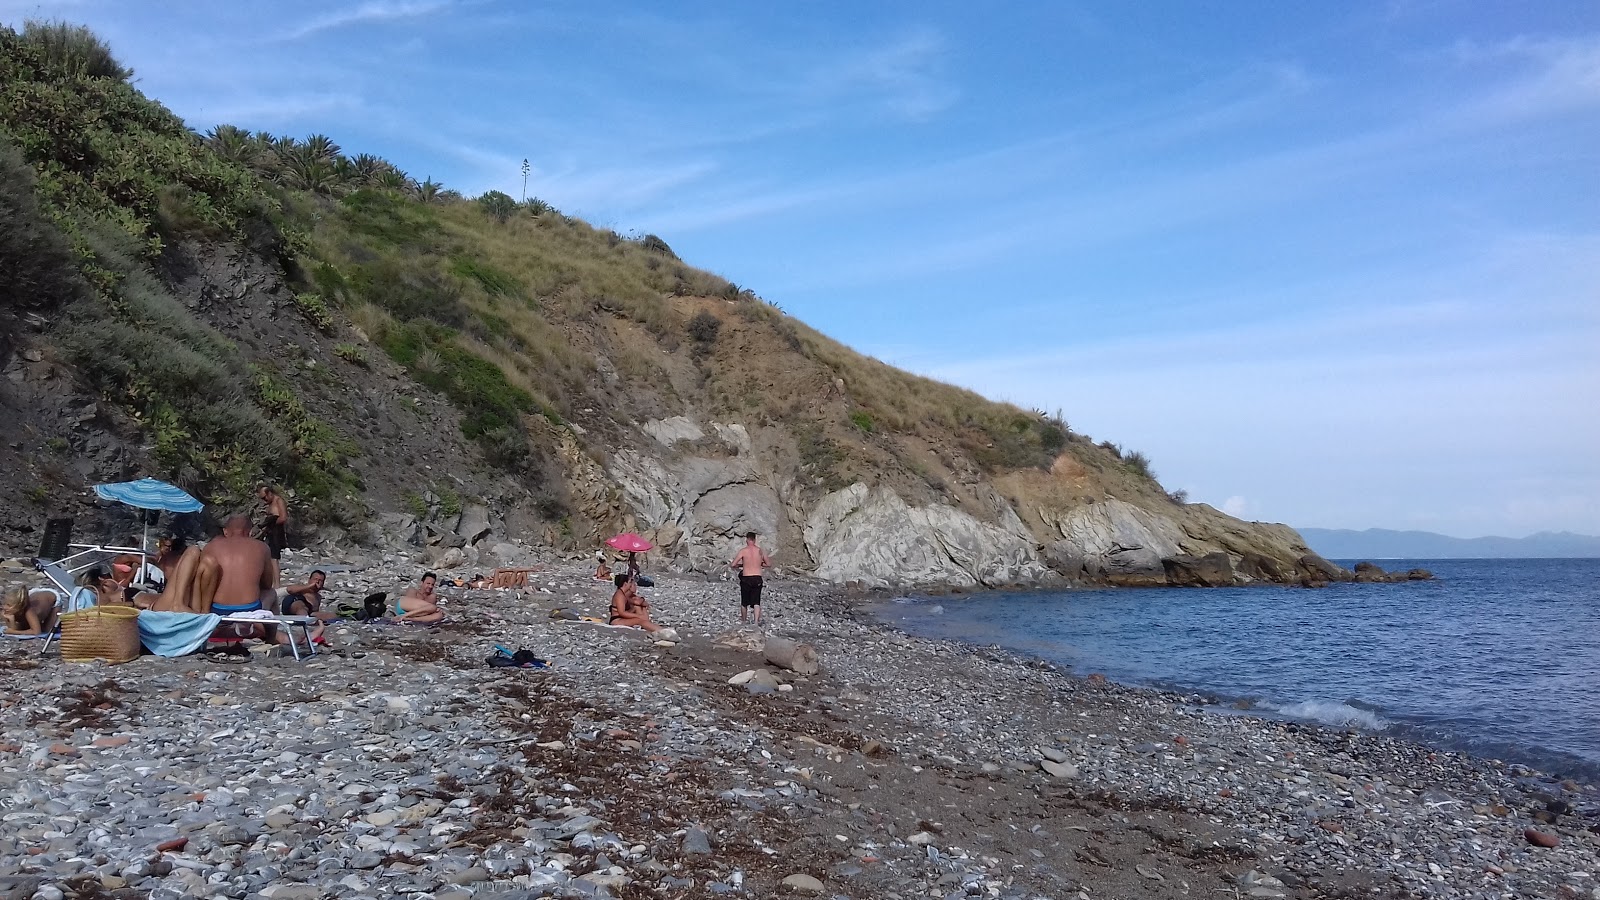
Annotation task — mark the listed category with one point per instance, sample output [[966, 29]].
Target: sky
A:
[[1329, 264]]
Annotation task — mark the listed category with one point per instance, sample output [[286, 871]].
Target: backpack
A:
[[373, 607]]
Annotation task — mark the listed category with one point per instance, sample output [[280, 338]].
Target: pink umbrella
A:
[[628, 542]]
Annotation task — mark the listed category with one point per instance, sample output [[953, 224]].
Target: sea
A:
[[1499, 658]]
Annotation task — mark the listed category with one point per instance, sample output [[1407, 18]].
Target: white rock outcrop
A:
[[874, 537]]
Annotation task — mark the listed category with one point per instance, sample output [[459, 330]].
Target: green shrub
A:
[[449, 501], [315, 310], [73, 51], [35, 256], [410, 288], [491, 406], [862, 421], [656, 245], [499, 206], [102, 150], [493, 281], [704, 326], [353, 354], [1139, 464], [391, 221]]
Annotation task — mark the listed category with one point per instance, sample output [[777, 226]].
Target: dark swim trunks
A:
[[276, 540], [750, 590]]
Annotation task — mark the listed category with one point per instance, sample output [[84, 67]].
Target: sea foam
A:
[[1329, 712]]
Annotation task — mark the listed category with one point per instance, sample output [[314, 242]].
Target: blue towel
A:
[[175, 633]]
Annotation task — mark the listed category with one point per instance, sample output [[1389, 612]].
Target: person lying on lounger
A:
[[26, 612], [420, 605], [628, 608]]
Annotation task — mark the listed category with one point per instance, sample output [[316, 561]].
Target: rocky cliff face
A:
[[697, 488]]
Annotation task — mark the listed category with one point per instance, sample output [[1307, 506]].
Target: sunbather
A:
[[628, 608], [177, 562], [420, 605], [98, 587], [306, 600], [29, 611], [235, 575], [602, 572]]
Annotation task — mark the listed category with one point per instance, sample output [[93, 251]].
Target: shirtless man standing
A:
[[751, 561], [275, 529], [235, 574], [420, 605], [628, 608]]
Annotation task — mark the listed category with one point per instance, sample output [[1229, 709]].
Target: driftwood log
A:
[[792, 655]]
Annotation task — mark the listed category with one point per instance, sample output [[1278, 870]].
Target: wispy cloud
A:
[[373, 11], [901, 75]]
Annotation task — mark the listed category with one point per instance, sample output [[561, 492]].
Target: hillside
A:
[[421, 369], [1382, 543]]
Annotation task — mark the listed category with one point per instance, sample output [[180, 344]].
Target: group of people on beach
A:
[[237, 573], [629, 608]]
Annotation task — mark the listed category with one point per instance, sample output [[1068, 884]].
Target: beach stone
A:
[[1054, 755], [366, 860], [696, 841], [1540, 838], [471, 875], [803, 882], [1059, 770]]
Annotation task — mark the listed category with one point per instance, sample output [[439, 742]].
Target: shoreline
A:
[[906, 766]]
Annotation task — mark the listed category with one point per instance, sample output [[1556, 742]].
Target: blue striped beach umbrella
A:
[[148, 493]]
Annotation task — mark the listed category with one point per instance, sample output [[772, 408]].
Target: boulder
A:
[[1259, 567], [1370, 573], [1314, 568], [474, 525], [1211, 570]]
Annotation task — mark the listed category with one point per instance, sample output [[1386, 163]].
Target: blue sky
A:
[[1328, 264]]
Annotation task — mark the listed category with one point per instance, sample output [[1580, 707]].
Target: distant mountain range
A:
[[1381, 543]]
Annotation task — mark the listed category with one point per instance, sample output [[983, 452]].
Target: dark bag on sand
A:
[[644, 581], [522, 659], [374, 607]]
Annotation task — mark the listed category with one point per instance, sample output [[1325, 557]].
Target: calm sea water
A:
[[1499, 658]]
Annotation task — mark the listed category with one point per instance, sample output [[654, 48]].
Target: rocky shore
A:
[[402, 765]]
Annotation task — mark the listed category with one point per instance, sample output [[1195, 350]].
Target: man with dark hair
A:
[[305, 599], [420, 605], [751, 561], [275, 528]]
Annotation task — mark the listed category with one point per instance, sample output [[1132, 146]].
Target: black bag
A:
[[374, 606]]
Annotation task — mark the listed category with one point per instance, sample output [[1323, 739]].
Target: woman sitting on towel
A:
[[628, 608], [602, 572], [26, 612]]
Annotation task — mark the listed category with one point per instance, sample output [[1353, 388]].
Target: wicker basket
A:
[[110, 633]]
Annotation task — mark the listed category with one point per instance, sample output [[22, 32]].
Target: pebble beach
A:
[[401, 765]]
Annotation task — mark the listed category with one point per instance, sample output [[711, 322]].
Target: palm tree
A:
[[322, 147], [366, 168], [428, 191], [233, 143], [391, 180]]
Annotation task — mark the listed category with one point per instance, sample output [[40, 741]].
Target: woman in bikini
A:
[[29, 612]]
